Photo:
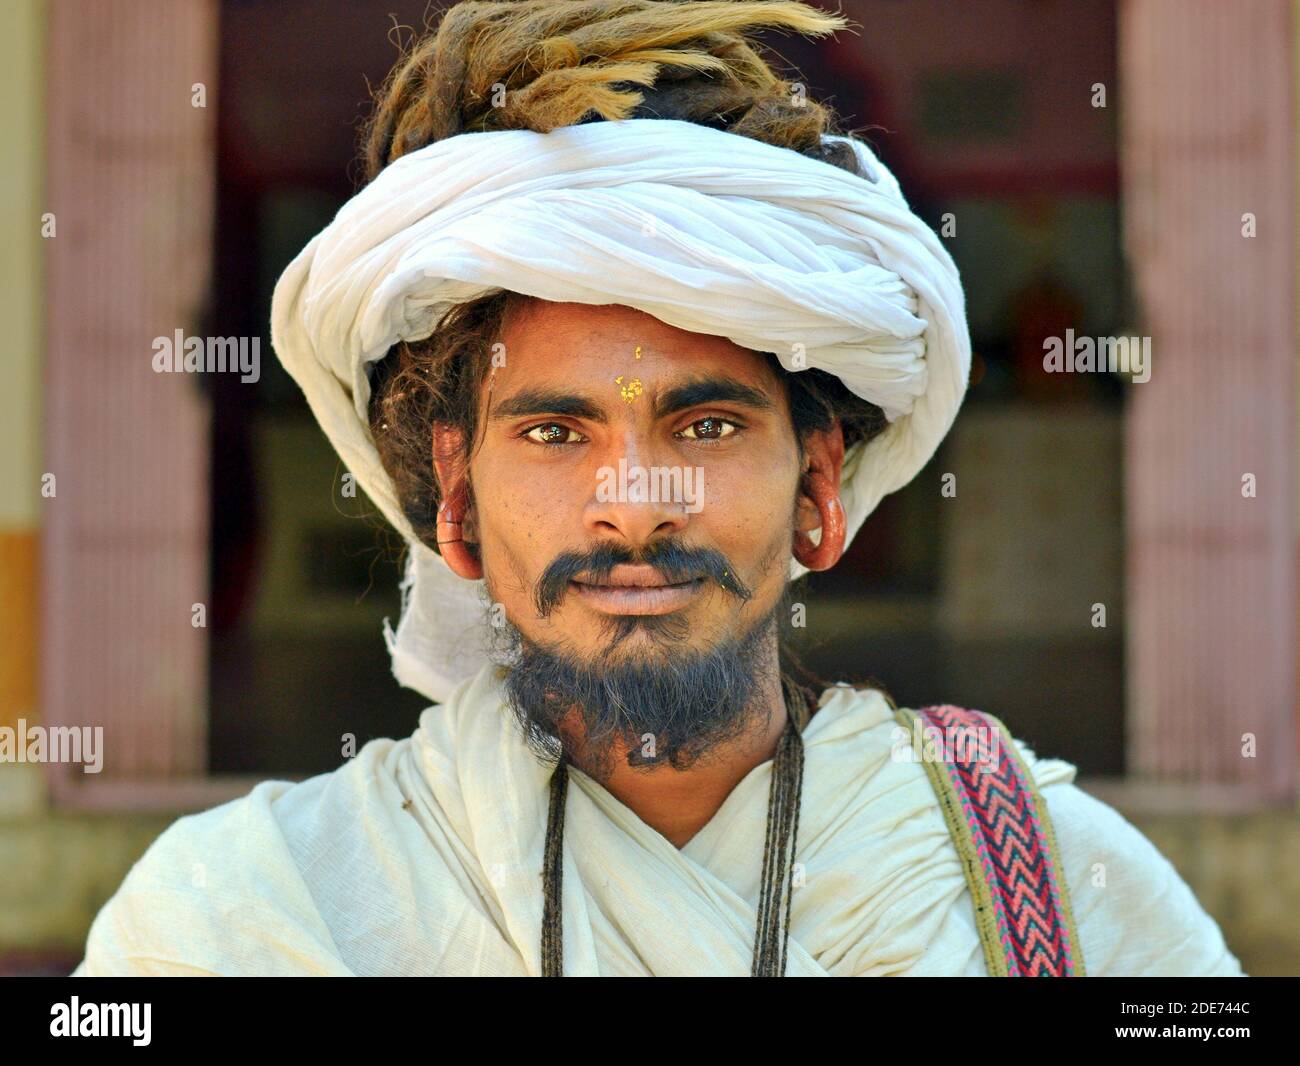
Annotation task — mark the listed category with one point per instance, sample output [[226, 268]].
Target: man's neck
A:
[[679, 803]]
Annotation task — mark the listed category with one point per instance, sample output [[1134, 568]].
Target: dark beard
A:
[[670, 709]]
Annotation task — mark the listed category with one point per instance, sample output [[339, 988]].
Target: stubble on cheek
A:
[[515, 589], [776, 557]]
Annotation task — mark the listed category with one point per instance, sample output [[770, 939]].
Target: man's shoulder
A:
[[950, 733], [254, 825], [1135, 914], [229, 886]]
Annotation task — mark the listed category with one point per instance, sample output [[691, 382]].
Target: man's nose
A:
[[634, 499]]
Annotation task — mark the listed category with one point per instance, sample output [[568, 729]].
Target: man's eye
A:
[[552, 433], [709, 429]]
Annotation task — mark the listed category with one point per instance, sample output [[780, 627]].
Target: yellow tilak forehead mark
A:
[[633, 388]]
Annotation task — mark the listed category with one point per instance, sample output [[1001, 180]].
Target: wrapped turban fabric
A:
[[706, 230]]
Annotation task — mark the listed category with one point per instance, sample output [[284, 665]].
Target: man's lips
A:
[[636, 590]]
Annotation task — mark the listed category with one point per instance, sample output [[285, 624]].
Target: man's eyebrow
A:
[[711, 390], [546, 402]]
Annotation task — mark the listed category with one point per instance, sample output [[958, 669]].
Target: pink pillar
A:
[[131, 175], [1208, 129]]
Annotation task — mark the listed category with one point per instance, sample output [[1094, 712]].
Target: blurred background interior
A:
[[1115, 169]]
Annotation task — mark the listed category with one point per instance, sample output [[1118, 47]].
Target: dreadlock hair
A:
[[540, 64], [487, 65]]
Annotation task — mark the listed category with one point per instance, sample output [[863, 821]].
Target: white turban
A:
[[706, 230]]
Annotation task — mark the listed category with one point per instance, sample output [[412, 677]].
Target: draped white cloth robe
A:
[[424, 855]]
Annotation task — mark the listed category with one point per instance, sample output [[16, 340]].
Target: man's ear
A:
[[819, 505], [457, 522], [823, 454], [449, 458]]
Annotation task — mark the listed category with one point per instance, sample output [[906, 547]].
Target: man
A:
[[619, 366]]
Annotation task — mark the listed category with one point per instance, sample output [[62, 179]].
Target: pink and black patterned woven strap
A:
[[1002, 830]]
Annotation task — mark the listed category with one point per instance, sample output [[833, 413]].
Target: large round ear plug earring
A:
[[458, 553], [826, 553]]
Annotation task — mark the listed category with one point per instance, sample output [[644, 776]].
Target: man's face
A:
[[608, 438]]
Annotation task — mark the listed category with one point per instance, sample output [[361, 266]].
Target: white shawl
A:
[[423, 856]]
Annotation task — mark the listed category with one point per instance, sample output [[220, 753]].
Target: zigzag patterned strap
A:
[[1000, 825]]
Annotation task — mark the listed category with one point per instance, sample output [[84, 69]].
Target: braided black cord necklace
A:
[[772, 932]]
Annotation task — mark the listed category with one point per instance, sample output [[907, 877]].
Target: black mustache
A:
[[676, 562]]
